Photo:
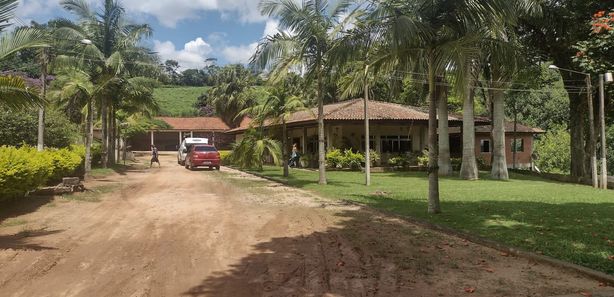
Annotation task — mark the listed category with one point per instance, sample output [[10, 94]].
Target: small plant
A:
[[352, 160], [334, 158], [423, 160], [374, 157]]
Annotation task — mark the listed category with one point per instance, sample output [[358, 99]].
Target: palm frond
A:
[[20, 39], [7, 12], [15, 95]]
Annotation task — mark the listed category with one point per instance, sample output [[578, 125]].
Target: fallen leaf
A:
[[469, 289], [602, 285], [611, 257], [489, 270], [340, 263], [505, 254], [586, 294]]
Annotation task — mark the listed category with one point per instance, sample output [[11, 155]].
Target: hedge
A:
[[25, 169]]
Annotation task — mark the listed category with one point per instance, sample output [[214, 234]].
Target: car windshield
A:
[[204, 149]]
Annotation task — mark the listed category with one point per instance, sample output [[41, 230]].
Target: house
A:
[[394, 130], [524, 136], [168, 139]]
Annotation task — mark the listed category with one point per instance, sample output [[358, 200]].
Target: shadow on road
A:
[[20, 240], [368, 255]]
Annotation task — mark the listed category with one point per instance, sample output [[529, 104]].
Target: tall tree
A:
[[552, 36], [110, 47], [284, 100], [307, 29]]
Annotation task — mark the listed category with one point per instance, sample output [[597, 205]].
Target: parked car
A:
[[185, 145], [202, 155]]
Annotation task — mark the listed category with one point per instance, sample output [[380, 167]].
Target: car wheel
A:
[[217, 168], [210, 167], [192, 167]]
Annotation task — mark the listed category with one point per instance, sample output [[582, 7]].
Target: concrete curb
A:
[[597, 275]]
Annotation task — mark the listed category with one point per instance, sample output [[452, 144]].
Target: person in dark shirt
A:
[[154, 156]]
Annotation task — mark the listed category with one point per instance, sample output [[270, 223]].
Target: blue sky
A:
[[188, 31]]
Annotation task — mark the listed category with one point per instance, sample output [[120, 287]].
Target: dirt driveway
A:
[[172, 232]]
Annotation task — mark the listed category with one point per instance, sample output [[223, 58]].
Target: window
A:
[[518, 145], [396, 144], [201, 148], [371, 142], [485, 145]]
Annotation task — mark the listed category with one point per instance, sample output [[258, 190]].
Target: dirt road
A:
[[172, 232]]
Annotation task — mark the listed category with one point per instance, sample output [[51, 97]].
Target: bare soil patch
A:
[[171, 232]]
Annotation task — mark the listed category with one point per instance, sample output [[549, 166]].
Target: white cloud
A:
[[239, 54], [192, 55], [170, 12], [167, 12], [271, 28]]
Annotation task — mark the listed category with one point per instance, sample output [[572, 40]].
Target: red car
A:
[[202, 155]]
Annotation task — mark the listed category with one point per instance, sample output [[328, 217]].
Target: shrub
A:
[[423, 159], [18, 128], [226, 157], [374, 157], [553, 151], [399, 161], [24, 169], [352, 160], [334, 158]]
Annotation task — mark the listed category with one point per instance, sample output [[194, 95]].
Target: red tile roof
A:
[[353, 110], [193, 124]]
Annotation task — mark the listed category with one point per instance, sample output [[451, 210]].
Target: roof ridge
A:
[[343, 104]]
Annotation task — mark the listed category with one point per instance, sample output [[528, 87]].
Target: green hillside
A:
[[178, 101]]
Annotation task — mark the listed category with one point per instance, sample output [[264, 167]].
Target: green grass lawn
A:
[[178, 101], [570, 222]]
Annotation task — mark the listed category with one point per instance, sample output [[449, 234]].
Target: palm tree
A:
[[14, 93], [500, 52], [110, 48], [308, 30], [276, 110], [233, 93], [469, 166], [251, 149]]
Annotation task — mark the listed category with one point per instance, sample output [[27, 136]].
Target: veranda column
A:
[[191, 134], [180, 137], [152, 137], [304, 144]]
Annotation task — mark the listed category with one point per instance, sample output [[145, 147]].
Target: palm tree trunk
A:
[[469, 166], [445, 164], [104, 112], [284, 148], [89, 137], [111, 152], [433, 203], [367, 136], [499, 162], [321, 147], [41, 111]]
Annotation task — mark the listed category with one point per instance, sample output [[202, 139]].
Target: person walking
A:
[[154, 156], [294, 157]]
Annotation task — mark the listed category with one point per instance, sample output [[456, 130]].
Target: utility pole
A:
[[591, 125], [44, 60], [367, 136], [604, 164]]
